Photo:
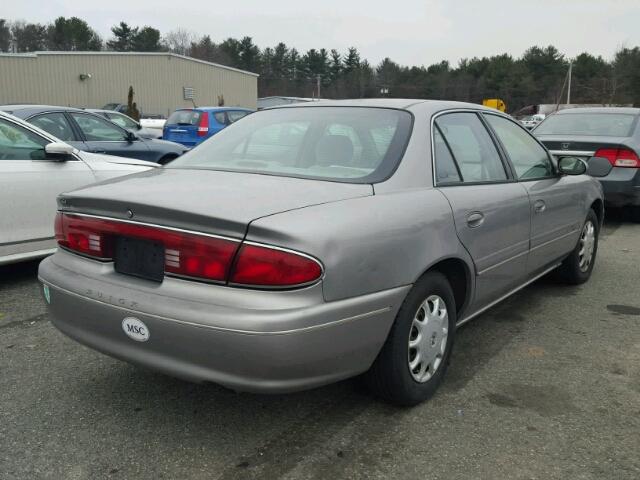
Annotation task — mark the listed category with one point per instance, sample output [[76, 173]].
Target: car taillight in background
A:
[[619, 157], [203, 126], [190, 254]]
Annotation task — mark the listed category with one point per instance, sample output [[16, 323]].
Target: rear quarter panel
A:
[[368, 244]]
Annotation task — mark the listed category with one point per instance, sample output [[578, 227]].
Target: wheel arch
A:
[[459, 275]]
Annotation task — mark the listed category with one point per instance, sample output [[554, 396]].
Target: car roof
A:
[[24, 110], [212, 109], [410, 104], [603, 110]]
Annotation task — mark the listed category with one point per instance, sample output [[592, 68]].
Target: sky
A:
[[410, 32]]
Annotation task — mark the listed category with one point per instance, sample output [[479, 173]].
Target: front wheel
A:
[[577, 267], [415, 356]]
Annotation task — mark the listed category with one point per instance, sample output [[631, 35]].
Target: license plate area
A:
[[140, 258]]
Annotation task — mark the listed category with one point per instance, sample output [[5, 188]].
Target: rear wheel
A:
[[415, 356], [577, 267]]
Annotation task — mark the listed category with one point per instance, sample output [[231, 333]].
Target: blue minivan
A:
[[192, 126]]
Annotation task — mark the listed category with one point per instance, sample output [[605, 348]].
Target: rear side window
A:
[[529, 159], [472, 148], [184, 117], [220, 117], [234, 116], [446, 169], [56, 124]]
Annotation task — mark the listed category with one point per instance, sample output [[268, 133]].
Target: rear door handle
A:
[[475, 219], [539, 206]]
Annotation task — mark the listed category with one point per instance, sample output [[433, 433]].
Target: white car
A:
[[532, 120], [34, 168]]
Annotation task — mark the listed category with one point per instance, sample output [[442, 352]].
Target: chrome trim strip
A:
[[572, 232], [239, 242], [153, 225], [495, 302], [223, 329], [571, 153], [480, 272]]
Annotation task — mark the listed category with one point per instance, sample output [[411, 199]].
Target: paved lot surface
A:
[[546, 385]]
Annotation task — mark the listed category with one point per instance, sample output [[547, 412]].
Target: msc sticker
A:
[[47, 293], [135, 329]]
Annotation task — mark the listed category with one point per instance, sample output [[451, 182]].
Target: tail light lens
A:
[[203, 126], [619, 157], [264, 266], [192, 255]]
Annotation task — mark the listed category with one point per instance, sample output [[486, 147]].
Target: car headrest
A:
[[334, 150]]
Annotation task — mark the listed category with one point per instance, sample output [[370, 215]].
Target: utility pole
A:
[[569, 85]]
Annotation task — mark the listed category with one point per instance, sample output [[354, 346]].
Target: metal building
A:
[[162, 82]]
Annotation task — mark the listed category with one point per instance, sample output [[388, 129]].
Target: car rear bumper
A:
[[622, 187], [257, 341]]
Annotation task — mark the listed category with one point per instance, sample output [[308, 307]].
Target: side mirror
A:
[[572, 166], [58, 151], [131, 137], [599, 167]]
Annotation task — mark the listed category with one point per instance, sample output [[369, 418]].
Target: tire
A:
[[573, 270], [390, 377]]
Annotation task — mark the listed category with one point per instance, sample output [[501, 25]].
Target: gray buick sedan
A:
[[309, 244]]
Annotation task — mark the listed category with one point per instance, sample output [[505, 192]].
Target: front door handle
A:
[[539, 206], [475, 219]]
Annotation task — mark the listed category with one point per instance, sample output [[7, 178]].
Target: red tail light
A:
[[203, 126], [619, 157], [264, 266], [186, 254], [191, 254]]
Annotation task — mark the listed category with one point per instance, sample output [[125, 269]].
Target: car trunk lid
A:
[[209, 201], [580, 146]]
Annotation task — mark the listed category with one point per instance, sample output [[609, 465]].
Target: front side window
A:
[[95, 129], [529, 159], [56, 124], [17, 143], [350, 144], [472, 148]]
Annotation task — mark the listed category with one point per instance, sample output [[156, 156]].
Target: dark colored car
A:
[[92, 133], [125, 121], [192, 126], [609, 132]]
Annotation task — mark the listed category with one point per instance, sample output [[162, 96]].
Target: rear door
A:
[[102, 136], [182, 127], [556, 201], [29, 184], [490, 209]]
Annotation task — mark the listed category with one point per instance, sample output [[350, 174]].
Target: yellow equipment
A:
[[495, 103]]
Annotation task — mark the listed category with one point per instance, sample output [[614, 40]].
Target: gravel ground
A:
[[545, 385]]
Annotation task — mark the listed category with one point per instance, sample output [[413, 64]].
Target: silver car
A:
[[34, 168], [312, 243]]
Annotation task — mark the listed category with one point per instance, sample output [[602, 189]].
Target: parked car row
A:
[[380, 241], [312, 243]]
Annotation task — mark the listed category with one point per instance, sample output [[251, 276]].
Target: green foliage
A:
[[5, 35], [536, 77], [72, 34], [123, 36]]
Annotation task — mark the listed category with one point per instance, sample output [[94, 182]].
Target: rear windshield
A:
[[184, 117], [348, 144], [596, 124]]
